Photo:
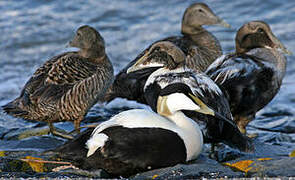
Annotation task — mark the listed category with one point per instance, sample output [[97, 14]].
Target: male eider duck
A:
[[252, 76], [176, 78], [200, 47], [67, 85], [140, 140]]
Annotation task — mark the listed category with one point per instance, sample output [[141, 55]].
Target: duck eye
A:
[[200, 10], [79, 34], [260, 30], [156, 49]]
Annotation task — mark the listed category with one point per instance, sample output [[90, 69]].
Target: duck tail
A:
[[13, 108]]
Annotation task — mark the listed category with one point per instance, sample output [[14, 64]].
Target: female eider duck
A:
[[67, 85], [173, 77], [252, 76], [200, 47], [139, 140]]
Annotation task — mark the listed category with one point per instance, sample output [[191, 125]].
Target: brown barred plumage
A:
[[67, 85]]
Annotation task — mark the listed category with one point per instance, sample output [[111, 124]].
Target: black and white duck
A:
[[251, 77], [172, 76], [200, 47], [65, 87], [140, 140]]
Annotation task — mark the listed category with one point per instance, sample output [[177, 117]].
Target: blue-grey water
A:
[[32, 31]]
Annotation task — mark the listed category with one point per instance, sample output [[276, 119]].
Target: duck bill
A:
[[142, 63], [136, 66], [221, 22], [279, 45]]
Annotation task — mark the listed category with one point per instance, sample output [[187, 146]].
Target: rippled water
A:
[[32, 31]]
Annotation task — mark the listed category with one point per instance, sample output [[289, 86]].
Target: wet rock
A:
[[274, 168], [274, 163], [33, 143], [18, 134], [202, 167]]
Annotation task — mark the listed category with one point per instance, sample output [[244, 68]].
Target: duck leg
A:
[[61, 134], [213, 154], [86, 126], [242, 122], [77, 123]]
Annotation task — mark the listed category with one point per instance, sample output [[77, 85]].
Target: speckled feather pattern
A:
[[65, 87], [201, 49]]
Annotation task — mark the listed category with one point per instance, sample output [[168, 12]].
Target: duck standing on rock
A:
[[172, 76], [252, 76], [200, 47], [65, 87]]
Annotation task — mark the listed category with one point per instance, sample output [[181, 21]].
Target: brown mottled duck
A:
[[200, 47], [65, 87], [252, 76]]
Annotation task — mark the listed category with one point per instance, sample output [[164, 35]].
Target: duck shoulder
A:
[[60, 73], [244, 79], [67, 82]]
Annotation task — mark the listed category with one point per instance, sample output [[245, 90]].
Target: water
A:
[[32, 31]]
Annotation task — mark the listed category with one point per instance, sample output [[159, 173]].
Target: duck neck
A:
[[191, 134], [189, 30], [208, 45], [280, 63], [95, 55]]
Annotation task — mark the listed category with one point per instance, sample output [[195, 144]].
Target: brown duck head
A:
[[161, 54], [89, 41], [257, 34], [199, 14]]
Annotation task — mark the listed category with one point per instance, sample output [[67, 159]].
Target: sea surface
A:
[[32, 31]]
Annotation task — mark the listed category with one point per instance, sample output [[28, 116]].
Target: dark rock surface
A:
[[279, 165]]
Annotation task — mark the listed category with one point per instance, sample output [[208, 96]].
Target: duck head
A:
[[88, 39], [161, 54], [199, 14], [257, 34], [179, 97]]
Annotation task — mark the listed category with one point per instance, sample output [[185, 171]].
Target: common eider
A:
[[173, 77], [140, 140], [200, 47], [252, 76], [67, 85]]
